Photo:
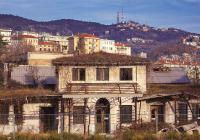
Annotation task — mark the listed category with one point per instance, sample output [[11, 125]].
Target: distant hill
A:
[[119, 32]]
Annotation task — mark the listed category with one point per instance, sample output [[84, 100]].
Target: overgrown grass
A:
[[131, 134], [45, 136], [127, 134]]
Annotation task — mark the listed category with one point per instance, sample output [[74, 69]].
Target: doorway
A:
[[48, 120], [159, 110], [102, 116]]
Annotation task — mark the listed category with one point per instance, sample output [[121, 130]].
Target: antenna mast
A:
[[122, 16], [118, 18]]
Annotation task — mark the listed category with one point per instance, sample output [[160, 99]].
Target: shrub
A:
[[149, 136], [99, 137], [128, 135], [3, 138], [173, 136], [69, 136]]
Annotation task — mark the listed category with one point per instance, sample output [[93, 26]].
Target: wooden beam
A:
[[120, 103], [85, 116], [175, 117], [70, 106], [63, 116], [101, 95], [140, 109], [135, 99], [170, 105]]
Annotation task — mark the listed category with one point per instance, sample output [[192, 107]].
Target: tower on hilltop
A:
[[120, 16]]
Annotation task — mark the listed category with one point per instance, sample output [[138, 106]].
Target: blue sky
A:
[[183, 14]]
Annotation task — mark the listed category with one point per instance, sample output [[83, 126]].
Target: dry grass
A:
[[128, 134]]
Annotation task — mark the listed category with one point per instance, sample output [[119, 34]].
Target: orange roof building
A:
[[50, 46], [27, 40]]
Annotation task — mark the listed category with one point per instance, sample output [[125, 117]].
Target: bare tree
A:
[[35, 76], [195, 74]]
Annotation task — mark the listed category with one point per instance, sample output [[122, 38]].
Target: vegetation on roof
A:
[[169, 88], [9, 93], [100, 58]]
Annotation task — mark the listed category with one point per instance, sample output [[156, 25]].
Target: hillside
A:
[[120, 32], [154, 39]]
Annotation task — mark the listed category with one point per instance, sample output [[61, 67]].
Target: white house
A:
[[107, 46], [6, 35]]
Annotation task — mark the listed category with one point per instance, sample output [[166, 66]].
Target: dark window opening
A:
[[157, 112], [4, 114], [78, 74], [126, 114], [183, 112], [78, 115], [195, 111], [18, 111], [102, 74], [125, 74], [153, 114]]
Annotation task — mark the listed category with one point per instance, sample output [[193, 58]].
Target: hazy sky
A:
[[183, 14]]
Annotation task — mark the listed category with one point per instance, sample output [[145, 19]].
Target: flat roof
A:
[[172, 76]]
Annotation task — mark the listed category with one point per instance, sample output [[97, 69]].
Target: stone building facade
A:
[[102, 85]]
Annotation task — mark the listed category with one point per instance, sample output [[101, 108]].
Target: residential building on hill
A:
[[88, 43], [73, 42], [31, 33], [61, 40], [107, 46], [191, 64], [6, 35], [48, 47], [24, 40], [122, 48]]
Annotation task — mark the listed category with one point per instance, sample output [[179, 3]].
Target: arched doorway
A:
[[102, 116]]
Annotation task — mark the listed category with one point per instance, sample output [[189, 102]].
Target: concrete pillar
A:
[[169, 112], [189, 114], [11, 119], [92, 116], [114, 117]]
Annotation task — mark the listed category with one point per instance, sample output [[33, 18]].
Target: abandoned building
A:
[[99, 93], [95, 93], [105, 86], [170, 98]]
